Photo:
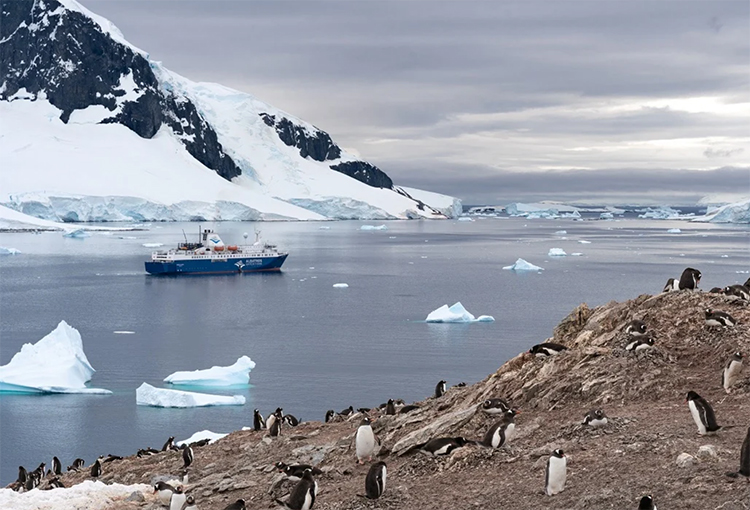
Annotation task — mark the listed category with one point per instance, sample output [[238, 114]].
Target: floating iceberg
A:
[[456, 313], [738, 212], [89, 494], [373, 227], [236, 374], [663, 212], [8, 251], [77, 234], [522, 265], [606, 216], [561, 232], [203, 434], [340, 285], [147, 395], [556, 252], [674, 231], [576, 254], [582, 241], [152, 245], [55, 364], [465, 218]]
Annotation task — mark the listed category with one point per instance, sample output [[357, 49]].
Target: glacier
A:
[[456, 313], [236, 374], [737, 212], [55, 364], [203, 434], [147, 395], [522, 265], [89, 494]]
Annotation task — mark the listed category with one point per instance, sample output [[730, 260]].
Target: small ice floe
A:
[[340, 285], [124, 332], [8, 251], [126, 237], [725, 256], [561, 232], [147, 395], [203, 434], [584, 242], [324, 227], [77, 234], [556, 252], [236, 374], [606, 216], [152, 245], [373, 227], [576, 254], [465, 218], [674, 231], [456, 313], [522, 265], [391, 237]]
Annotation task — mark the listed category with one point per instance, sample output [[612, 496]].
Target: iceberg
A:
[[8, 251], [340, 285], [236, 374], [373, 227], [576, 254], [456, 313], [147, 395], [606, 216], [89, 494], [465, 218], [77, 234], [738, 212], [663, 212], [556, 252], [561, 232], [152, 245], [522, 265], [674, 231], [582, 241], [55, 364], [203, 434]]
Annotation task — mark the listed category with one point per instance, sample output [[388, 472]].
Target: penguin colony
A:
[[175, 494]]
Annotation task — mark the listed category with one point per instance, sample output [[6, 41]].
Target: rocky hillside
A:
[[636, 454]]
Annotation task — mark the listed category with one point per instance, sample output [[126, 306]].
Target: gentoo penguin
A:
[[110, 458], [278, 414], [647, 503], [375, 481], [557, 472], [731, 373], [189, 503], [495, 406], [501, 432], [178, 499], [200, 443], [163, 492], [739, 291], [330, 415], [640, 344], [716, 290], [40, 470], [56, 466], [390, 408], [443, 445], [595, 418], [408, 409], [303, 494], [689, 279], [22, 475], [291, 420], [56, 483], [346, 413], [295, 471], [672, 285], [440, 389], [77, 464], [274, 429], [364, 410], [96, 469], [703, 414], [237, 505], [745, 456], [187, 457], [146, 452], [635, 328], [169, 445], [258, 422], [716, 318], [364, 440], [547, 349]]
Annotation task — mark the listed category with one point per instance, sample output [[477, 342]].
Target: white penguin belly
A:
[[697, 418], [597, 422], [177, 501], [365, 442], [510, 432], [557, 475], [164, 496], [732, 374]]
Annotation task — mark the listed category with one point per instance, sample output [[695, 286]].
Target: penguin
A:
[[640, 344], [364, 410], [739, 291], [330, 415], [390, 408], [689, 279], [200, 443], [647, 503], [440, 389], [169, 445], [295, 471], [731, 373], [714, 319], [56, 466], [501, 432], [745, 456], [346, 413], [56, 483], [557, 471], [163, 492], [178, 499], [375, 480], [595, 418], [31, 481], [187, 457], [96, 469], [716, 290], [40, 470], [146, 452], [635, 328], [364, 440], [703, 414], [110, 458], [443, 445], [408, 409], [547, 349], [303, 494], [291, 420], [672, 285], [461, 385], [258, 422], [189, 503], [275, 428], [237, 505], [22, 475], [495, 406], [278, 414], [77, 464]]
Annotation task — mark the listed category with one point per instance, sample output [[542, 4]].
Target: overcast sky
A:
[[598, 101]]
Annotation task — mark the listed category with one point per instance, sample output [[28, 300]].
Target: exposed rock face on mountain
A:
[[650, 445]]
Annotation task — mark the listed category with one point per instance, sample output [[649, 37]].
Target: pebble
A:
[[707, 451], [685, 460], [136, 496]]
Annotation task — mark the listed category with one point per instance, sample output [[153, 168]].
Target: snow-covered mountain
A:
[[94, 130]]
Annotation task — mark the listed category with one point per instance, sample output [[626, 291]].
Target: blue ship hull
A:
[[219, 266]]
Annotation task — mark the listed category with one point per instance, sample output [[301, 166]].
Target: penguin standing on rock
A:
[[635, 328], [689, 279], [647, 503], [163, 492], [275, 428], [189, 503], [703, 413], [732, 370], [557, 472], [187, 456], [96, 469], [595, 418], [375, 480], [303, 495], [390, 408], [440, 389], [719, 319], [258, 422], [169, 445], [547, 349], [640, 344], [495, 406], [278, 414], [330, 415], [364, 440], [56, 466], [178, 499]]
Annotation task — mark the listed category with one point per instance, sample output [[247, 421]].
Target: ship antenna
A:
[[184, 235]]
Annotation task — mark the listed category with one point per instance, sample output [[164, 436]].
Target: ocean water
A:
[[316, 347]]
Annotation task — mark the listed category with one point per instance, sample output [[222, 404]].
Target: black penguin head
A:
[[691, 395], [460, 441], [190, 499], [255, 411], [647, 503], [278, 410], [598, 413], [650, 341], [307, 474], [330, 414], [390, 402], [365, 421], [509, 414], [280, 466], [738, 356], [558, 453], [178, 490]]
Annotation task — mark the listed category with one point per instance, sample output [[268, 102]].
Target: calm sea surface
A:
[[316, 347]]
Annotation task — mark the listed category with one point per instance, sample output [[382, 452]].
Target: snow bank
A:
[[456, 313], [91, 495], [373, 227], [203, 434], [8, 251], [239, 373], [147, 395], [556, 252], [738, 212], [522, 265], [55, 364], [340, 285]]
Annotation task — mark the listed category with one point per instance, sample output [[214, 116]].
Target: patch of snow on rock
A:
[[203, 434], [147, 395], [91, 495], [238, 373], [456, 313]]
